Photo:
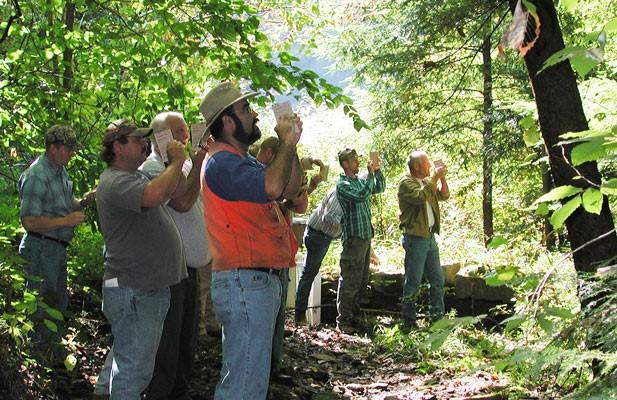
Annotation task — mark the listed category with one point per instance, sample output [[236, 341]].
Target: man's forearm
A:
[[184, 202], [444, 189], [42, 224], [160, 189], [279, 179]]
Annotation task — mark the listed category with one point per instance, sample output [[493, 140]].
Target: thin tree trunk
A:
[[487, 143], [549, 234], [560, 110], [67, 56]]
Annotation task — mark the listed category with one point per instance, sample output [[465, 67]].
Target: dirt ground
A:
[[321, 364]]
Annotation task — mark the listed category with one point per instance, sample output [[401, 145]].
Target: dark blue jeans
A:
[[317, 245], [422, 259], [279, 327], [174, 357], [46, 260]]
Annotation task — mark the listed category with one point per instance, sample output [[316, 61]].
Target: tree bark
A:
[[67, 56], [549, 234], [487, 142], [560, 110]]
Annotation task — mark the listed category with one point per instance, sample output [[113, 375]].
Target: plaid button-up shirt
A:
[[354, 194], [47, 191]]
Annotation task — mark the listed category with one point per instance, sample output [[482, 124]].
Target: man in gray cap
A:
[[143, 253], [249, 238], [49, 213]]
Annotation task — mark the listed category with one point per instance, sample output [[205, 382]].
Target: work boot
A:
[[300, 318]]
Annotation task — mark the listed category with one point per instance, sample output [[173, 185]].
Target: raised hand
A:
[[175, 151]]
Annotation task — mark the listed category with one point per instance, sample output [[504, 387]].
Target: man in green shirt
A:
[[418, 195], [354, 195]]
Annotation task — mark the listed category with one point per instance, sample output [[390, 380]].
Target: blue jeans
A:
[[174, 359], [317, 245], [422, 259], [279, 326], [246, 303], [136, 318], [47, 260]]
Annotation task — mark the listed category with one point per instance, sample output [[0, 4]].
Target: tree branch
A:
[[12, 18]]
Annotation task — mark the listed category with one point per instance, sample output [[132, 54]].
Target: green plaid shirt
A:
[[354, 194], [46, 190]]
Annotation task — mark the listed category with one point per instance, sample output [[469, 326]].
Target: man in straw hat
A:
[[49, 213], [250, 239], [143, 254]]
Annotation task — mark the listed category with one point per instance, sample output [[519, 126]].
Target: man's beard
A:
[[242, 136]]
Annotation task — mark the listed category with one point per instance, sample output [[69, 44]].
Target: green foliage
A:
[[134, 59]]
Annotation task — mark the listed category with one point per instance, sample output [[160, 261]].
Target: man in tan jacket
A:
[[418, 195]]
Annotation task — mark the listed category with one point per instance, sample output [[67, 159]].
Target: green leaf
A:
[[586, 61], [51, 325], [55, 314], [611, 26], [592, 201], [562, 213], [14, 55], [514, 322], [70, 362], [542, 210], [500, 277], [581, 58], [546, 324], [609, 187], [558, 193], [443, 323], [507, 274], [436, 340], [588, 151], [530, 6], [531, 135], [569, 5], [496, 241], [559, 312]]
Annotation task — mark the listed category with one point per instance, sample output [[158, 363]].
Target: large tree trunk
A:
[[560, 110], [487, 142]]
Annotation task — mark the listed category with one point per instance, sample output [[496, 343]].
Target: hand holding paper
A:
[[282, 110], [162, 139], [197, 133]]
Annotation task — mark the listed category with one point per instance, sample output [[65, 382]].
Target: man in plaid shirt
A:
[[354, 195], [49, 213]]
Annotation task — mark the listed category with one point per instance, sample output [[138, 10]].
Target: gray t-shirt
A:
[[143, 246], [191, 223]]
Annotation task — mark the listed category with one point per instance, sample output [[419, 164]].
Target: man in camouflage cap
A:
[[49, 214]]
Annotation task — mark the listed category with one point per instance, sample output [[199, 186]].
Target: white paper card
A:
[[197, 133], [282, 109], [162, 140]]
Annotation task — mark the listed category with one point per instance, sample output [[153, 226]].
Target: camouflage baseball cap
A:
[[62, 134], [124, 127], [347, 154]]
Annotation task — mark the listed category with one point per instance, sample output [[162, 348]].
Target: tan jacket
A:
[[412, 198]]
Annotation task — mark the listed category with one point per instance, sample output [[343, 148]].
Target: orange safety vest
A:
[[243, 234]]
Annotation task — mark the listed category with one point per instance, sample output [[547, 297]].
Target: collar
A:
[[54, 167]]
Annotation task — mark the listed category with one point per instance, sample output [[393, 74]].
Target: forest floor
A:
[[321, 363]]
